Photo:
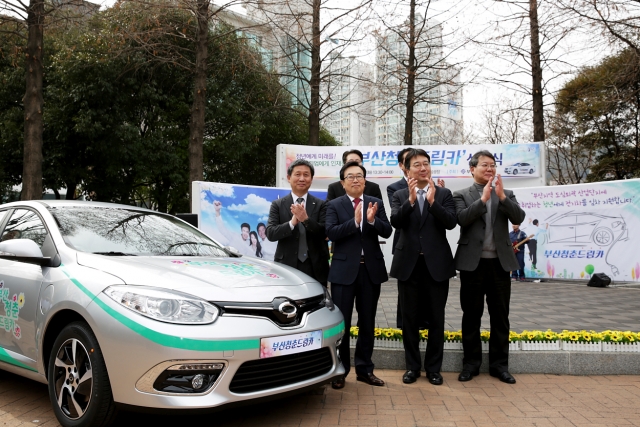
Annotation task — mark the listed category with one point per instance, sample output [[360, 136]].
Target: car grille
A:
[[265, 374], [272, 310]]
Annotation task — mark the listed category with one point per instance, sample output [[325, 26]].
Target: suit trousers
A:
[[421, 296], [365, 293], [491, 280]]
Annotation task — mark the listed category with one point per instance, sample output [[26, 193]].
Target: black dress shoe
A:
[[468, 374], [370, 379], [505, 377], [410, 376], [338, 384], [435, 378]]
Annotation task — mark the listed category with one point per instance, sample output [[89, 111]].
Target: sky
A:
[[464, 22]]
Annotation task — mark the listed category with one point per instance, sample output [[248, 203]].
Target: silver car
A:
[[115, 306]]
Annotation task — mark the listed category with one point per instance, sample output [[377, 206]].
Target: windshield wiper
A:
[[112, 253]]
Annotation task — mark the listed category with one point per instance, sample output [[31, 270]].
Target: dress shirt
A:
[[295, 200]]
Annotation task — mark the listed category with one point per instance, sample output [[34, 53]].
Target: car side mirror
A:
[[233, 251], [23, 250]]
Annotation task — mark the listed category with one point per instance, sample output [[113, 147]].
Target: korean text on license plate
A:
[[290, 344]]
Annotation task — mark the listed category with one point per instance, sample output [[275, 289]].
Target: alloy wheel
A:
[[73, 378]]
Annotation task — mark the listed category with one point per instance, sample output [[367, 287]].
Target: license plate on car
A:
[[290, 344]]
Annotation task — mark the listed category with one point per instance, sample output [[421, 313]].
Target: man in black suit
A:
[[336, 190], [423, 263], [355, 222], [485, 257], [296, 222]]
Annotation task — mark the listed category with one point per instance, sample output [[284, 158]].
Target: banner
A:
[[237, 215], [582, 229], [447, 161]]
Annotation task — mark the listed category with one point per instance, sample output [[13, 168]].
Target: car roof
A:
[[74, 203]]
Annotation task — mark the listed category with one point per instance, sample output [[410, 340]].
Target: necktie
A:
[[356, 202], [302, 242], [421, 200]]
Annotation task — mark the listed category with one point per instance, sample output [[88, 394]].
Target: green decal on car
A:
[[179, 342], [6, 358]]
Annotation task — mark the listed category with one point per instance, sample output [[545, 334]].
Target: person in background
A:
[[355, 222], [297, 223], [484, 258], [517, 236], [336, 189]]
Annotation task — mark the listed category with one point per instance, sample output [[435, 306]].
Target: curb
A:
[[527, 362]]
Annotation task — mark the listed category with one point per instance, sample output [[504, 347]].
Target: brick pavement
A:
[[554, 305], [536, 400]]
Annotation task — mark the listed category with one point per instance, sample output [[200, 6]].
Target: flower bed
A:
[[534, 340]]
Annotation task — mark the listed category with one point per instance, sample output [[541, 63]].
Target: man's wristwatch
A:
[[305, 222]]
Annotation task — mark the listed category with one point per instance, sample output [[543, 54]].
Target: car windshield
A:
[[117, 231]]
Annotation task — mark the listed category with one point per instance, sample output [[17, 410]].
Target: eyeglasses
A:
[[488, 166], [359, 177]]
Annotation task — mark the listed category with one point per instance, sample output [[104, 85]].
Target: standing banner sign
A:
[[582, 229], [237, 215], [448, 161]]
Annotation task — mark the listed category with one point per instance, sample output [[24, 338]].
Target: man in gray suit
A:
[[485, 257]]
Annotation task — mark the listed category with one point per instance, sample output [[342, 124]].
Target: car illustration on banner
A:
[[520, 169], [585, 228], [116, 307]]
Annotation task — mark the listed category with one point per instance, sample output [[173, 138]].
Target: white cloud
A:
[[220, 190], [253, 204], [263, 218]]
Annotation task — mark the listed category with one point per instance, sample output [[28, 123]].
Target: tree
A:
[[309, 36], [415, 81], [528, 44], [507, 122], [601, 107]]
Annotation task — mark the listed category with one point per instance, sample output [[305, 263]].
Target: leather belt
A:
[[420, 253], [361, 259]]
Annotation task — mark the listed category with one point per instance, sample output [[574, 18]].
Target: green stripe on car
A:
[[178, 342]]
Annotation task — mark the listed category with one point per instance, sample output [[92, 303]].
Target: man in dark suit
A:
[[296, 222], [355, 222], [423, 263], [336, 190], [485, 257]]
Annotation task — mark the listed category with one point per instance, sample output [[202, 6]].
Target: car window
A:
[[2, 215], [25, 224], [117, 231]]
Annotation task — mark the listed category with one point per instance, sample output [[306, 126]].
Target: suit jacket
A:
[[336, 190], [349, 242], [392, 188], [426, 233], [278, 229], [470, 211]]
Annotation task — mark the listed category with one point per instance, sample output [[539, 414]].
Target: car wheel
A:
[[530, 171], [79, 386], [515, 171], [603, 236]]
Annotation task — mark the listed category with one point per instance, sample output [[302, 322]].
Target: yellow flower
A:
[[20, 300], [377, 332], [573, 336], [615, 337], [388, 334], [586, 336]]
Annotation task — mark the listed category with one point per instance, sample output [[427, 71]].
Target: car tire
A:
[[530, 171], [603, 236], [79, 387], [515, 171]]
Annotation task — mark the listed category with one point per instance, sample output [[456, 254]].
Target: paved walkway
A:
[[536, 400], [554, 305]]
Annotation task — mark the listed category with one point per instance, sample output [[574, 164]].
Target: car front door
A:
[[20, 284]]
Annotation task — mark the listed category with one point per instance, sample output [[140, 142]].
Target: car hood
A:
[[214, 279]]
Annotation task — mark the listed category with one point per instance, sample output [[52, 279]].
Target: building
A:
[[437, 115], [349, 101]]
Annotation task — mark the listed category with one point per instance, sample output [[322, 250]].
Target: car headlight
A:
[[328, 302], [164, 305]]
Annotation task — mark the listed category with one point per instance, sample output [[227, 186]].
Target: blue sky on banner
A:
[[241, 203]]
